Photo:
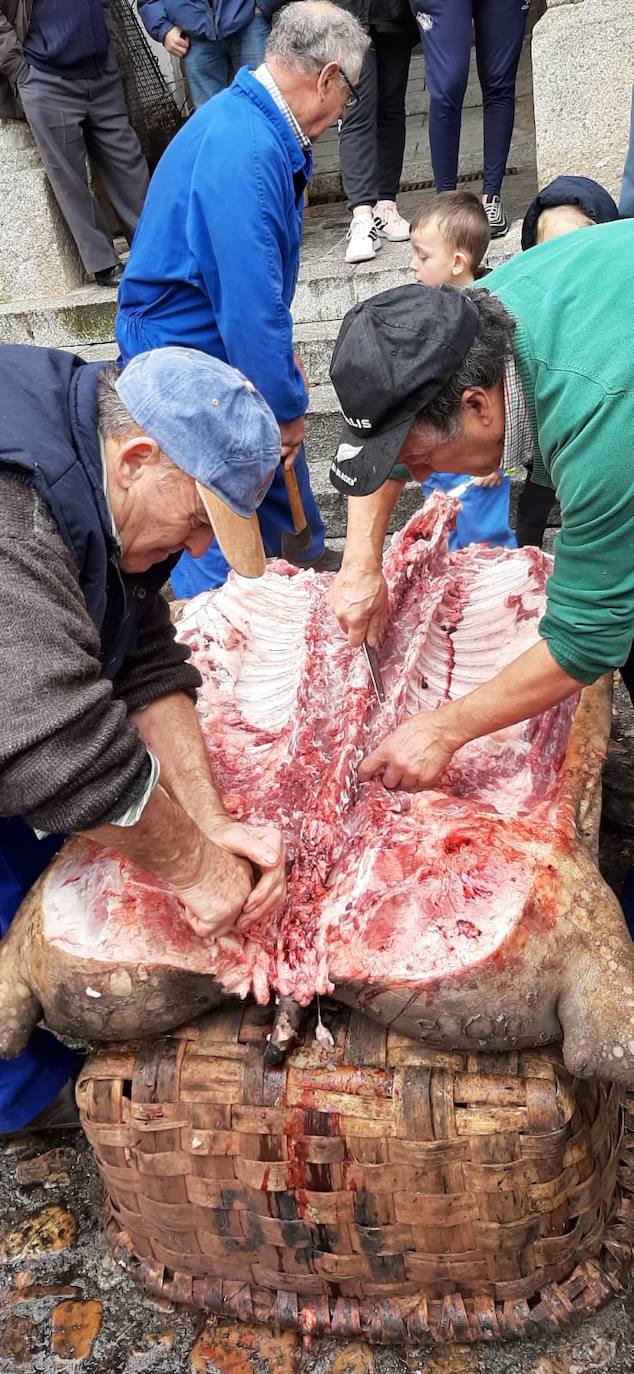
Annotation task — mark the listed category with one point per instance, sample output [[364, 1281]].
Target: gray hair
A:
[[116, 422], [114, 418], [482, 366], [307, 36]]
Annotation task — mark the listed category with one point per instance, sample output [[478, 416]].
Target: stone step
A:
[[75, 320]]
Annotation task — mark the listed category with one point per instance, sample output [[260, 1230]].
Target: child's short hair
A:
[[462, 221]]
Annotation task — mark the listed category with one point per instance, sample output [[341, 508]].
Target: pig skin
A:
[[564, 962]]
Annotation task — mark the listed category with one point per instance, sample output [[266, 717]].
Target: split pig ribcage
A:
[[379, 883]]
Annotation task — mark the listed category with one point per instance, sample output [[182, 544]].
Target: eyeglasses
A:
[[355, 95]]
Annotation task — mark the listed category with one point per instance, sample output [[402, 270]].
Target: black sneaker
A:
[[494, 211], [60, 1115], [110, 276], [329, 561]]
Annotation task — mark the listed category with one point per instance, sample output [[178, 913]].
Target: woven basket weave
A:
[[377, 1187]]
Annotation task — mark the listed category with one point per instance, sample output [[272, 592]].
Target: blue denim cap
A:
[[214, 425]]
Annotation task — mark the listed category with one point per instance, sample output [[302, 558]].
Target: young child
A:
[[449, 239]]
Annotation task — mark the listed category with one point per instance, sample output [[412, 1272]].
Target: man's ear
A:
[[331, 72], [480, 405], [132, 458]]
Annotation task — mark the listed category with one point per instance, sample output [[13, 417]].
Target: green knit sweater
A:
[[573, 300]]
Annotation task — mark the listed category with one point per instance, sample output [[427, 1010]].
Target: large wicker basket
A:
[[377, 1187]]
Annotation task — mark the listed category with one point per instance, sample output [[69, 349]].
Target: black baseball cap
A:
[[394, 353]]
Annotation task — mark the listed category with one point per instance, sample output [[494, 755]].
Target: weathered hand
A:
[[412, 758], [492, 480], [176, 42], [264, 846], [215, 898], [299, 363], [359, 599]]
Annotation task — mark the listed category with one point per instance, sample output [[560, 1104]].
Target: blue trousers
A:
[[29, 1082], [626, 203], [211, 64], [445, 32], [484, 518], [194, 575]]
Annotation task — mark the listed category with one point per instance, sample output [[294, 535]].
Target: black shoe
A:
[[60, 1115], [329, 561], [110, 276], [494, 211]]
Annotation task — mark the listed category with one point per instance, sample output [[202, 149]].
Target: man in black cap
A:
[[433, 380]]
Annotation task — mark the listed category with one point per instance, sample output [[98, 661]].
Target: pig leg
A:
[[596, 1005], [20, 1009]]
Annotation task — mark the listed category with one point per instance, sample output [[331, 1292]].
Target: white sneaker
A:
[[363, 239], [389, 223]]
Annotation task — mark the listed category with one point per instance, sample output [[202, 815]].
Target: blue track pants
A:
[[445, 32]]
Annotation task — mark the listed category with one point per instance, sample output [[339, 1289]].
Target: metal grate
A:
[[153, 112]]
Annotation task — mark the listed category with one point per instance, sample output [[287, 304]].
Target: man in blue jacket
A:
[[213, 40], [104, 478], [215, 259]]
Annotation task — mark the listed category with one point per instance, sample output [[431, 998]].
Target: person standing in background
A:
[[60, 66], [216, 259], [212, 40], [372, 139], [445, 32]]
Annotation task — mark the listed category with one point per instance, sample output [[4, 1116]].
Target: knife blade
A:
[[372, 660]]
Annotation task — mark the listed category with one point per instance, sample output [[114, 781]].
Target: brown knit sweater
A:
[[70, 756]]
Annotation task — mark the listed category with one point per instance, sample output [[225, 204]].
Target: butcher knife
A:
[[372, 660], [462, 488], [294, 544]]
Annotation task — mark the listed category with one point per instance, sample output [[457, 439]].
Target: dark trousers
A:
[[69, 119], [445, 32], [533, 508], [372, 141]]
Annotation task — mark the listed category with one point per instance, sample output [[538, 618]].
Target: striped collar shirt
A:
[[263, 75], [518, 435]]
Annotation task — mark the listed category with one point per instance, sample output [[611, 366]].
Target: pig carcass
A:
[[469, 915]]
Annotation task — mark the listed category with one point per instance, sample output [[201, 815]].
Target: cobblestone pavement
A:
[[65, 1305]]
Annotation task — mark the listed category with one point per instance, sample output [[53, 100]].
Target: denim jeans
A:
[[211, 64]]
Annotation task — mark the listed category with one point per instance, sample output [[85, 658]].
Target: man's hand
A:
[[299, 363], [264, 846], [493, 479], [292, 433], [215, 896], [359, 599], [176, 42], [414, 757]]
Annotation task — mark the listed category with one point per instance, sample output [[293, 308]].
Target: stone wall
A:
[[583, 68], [37, 254]]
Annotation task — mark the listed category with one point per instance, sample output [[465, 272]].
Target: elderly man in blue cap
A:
[[105, 478]]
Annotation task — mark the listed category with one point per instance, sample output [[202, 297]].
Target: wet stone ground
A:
[[65, 1305]]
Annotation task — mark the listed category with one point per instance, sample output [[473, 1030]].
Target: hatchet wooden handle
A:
[[294, 499]]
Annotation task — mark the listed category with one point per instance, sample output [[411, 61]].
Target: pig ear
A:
[[596, 1006]]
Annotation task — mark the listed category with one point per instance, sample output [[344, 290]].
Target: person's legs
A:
[[194, 575], [499, 33], [393, 56], [56, 110], [31, 1081], [445, 34], [357, 141], [113, 144], [626, 203], [533, 508], [207, 68], [246, 47], [359, 165]]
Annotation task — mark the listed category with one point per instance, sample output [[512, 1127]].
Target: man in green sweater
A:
[[459, 382]]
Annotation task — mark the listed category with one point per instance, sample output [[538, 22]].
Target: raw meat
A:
[[471, 914]]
